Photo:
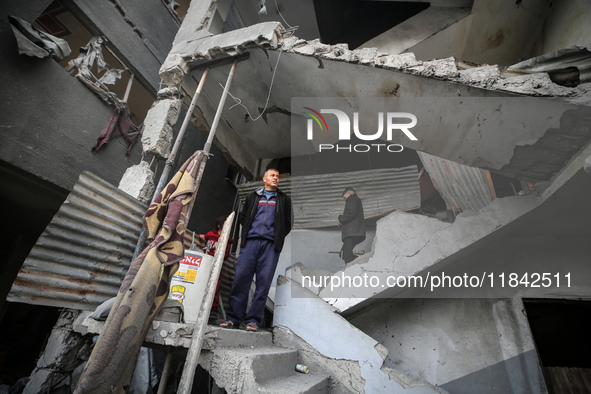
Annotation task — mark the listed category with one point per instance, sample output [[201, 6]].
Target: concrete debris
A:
[[314, 47], [534, 85], [483, 77], [345, 374], [168, 93], [297, 309], [271, 35], [247, 363], [416, 242], [587, 165], [138, 182], [188, 53], [408, 381], [64, 351], [399, 62], [158, 133]]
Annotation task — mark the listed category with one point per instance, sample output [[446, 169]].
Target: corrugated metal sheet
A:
[[84, 253], [317, 200], [559, 64], [462, 187]]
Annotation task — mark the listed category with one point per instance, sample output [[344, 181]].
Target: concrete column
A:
[[160, 120]]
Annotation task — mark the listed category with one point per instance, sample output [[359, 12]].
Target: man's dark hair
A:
[[348, 189], [219, 222]]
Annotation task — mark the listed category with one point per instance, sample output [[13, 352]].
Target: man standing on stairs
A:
[[352, 224], [266, 219]]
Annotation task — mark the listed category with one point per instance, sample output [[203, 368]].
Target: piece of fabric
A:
[[144, 288], [283, 217], [81, 67], [118, 124], [259, 257], [34, 42]]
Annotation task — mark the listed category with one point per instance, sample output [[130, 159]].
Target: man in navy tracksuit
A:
[[266, 219]]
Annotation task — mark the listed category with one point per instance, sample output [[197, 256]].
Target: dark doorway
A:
[[356, 22], [561, 332]]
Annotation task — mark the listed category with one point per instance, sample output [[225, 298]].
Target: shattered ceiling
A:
[[281, 67]]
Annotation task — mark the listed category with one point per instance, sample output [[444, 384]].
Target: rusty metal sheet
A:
[[83, 254], [317, 200], [462, 187]]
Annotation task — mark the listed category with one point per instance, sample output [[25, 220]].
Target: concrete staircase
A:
[[247, 362]]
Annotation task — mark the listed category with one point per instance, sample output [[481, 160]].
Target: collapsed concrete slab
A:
[[408, 244], [275, 72], [316, 323]]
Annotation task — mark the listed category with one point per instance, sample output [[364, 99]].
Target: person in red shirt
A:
[[212, 238]]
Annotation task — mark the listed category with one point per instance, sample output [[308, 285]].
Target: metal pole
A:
[[128, 89], [171, 159], [200, 325], [179, 138], [197, 341], [218, 113], [165, 373]]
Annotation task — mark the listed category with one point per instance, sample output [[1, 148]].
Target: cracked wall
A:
[[461, 345]]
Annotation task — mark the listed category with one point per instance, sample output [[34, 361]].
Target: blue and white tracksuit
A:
[[259, 256]]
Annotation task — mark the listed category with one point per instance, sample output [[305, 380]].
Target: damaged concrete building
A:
[[484, 210]]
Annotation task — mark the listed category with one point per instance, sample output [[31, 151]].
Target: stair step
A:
[[296, 383], [274, 362], [235, 338]]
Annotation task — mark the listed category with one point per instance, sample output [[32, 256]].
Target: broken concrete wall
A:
[[50, 120], [65, 350], [461, 345], [407, 244], [141, 31], [354, 359]]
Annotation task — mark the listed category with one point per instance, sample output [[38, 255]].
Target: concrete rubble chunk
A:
[[484, 76], [138, 182], [587, 165], [399, 62], [187, 53], [533, 85], [158, 134], [441, 68]]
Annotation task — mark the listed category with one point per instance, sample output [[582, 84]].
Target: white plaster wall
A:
[[497, 32], [311, 247], [569, 24], [462, 345]]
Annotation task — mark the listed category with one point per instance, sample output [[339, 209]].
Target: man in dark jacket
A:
[[266, 219], [352, 224]]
